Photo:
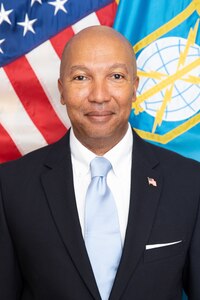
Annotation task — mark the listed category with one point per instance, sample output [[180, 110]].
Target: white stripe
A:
[[153, 246], [15, 120], [88, 21], [46, 64]]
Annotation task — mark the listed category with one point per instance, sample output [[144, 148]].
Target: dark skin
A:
[[98, 84]]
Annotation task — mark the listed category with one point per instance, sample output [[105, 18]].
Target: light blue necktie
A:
[[102, 234]]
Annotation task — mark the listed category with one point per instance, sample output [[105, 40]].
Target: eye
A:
[[80, 78], [117, 76]]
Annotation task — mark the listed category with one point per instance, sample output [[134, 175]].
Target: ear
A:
[[60, 88], [135, 87]]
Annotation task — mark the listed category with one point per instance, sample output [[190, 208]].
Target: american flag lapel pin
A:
[[152, 181]]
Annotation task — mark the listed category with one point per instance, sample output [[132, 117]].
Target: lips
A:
[[99, 116], [99, 113]]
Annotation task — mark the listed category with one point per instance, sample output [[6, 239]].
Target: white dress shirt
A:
[[118, 178]]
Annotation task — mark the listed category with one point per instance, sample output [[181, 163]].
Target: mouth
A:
[[99, 116]]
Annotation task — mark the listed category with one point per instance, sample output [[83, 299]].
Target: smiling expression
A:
[[98, 84]]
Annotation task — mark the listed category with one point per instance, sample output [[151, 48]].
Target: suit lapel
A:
[[143, 204], [57, 181]]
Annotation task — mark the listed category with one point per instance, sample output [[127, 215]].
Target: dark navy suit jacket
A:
[[42, 251]]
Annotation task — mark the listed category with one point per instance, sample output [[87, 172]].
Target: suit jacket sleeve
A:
[[191, 276], [10, 278]]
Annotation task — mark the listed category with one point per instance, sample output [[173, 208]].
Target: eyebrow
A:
[[84, 68], [119, 65], [78, 67]]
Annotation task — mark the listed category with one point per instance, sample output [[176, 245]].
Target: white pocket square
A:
[[153, 246]]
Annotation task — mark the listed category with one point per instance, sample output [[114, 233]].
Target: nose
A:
[[99, 91]]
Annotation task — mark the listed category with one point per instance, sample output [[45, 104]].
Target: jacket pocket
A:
[[163, 252]]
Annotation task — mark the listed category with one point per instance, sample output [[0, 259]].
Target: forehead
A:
[[93, 49]]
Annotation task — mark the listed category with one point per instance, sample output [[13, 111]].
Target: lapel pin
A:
[[152, 181]]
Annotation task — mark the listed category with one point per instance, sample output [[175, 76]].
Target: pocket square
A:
[[153, 246]]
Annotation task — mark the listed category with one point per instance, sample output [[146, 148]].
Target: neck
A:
[[101, 145]]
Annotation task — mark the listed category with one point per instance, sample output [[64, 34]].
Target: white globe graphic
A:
[[163, 57]]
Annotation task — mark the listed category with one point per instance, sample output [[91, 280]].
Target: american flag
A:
[[152, 181], [32, 36]]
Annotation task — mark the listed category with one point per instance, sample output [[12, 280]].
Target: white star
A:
[[27, 24], [33, 1], [4, 14], [1, 42], [59, 4]]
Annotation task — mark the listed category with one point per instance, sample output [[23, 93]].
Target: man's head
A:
[[98, 83]]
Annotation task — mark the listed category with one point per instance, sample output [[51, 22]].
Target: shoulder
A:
[[168, 160], [35, 160]]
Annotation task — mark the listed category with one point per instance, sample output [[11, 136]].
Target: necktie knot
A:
[[100, 166]]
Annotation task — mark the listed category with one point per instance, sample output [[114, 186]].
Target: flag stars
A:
[[59, 5], [1, 42], [4, 15], [27, 24], [34, 1]]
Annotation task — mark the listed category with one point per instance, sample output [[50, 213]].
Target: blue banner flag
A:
[[166, 38]]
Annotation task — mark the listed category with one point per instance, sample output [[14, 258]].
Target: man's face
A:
[[98, 87]]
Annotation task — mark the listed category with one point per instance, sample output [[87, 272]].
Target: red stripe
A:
[[106, 15], [59, 40], [34, 100], [8, 148]]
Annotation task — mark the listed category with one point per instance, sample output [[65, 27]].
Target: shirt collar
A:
[[121, 154], [118, 155], [81, 156]]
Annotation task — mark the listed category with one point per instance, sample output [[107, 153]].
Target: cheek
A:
[[74, 97], [124, 99]]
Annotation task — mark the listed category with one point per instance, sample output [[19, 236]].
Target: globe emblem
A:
[[164, 60]]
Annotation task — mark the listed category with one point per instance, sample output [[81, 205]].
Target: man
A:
[[44, 253]]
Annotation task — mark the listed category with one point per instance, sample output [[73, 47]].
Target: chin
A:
[[99, 135]]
